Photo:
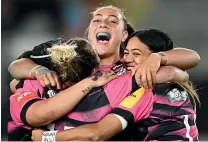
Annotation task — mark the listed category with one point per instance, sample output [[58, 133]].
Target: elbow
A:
[[94, 136], [11, 67], [195, 59], [178, 76]]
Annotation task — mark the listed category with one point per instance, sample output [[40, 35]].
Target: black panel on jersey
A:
[[134, 84], [96, 98], [24, 110], [166, 127], [72, 122], [20, 134], [39, 94], [139, 134], [127, 115], [124, 135], [20, 84], [164, 88], [171, 138], [169, 108]]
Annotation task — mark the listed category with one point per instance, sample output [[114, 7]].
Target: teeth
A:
[[103, 41]]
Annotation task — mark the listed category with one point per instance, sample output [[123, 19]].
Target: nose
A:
[[103, 24], [128, 58]]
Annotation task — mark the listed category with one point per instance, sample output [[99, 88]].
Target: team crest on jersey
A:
[[51, 93], [176, 95], [122, 71]]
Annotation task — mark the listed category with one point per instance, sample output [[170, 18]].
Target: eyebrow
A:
[[108, 15], [132, 50], [136, 49]]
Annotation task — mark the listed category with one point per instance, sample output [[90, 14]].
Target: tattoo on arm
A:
[[96, 75], [86, 90]]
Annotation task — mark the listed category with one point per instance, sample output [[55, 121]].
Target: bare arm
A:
[[13, 84], [179, 57], [45, 111], [91, 132], [182, 58], [171, 74], [20, 69]]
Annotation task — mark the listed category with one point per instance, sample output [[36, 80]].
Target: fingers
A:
[[143, 79], [149, 78], [153, 72], [51, 79], [58, 84], [48, 79]]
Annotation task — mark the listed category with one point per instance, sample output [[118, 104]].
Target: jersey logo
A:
[[132, 99], [122, 71], [51, 93], [176, 95], [23, 95]]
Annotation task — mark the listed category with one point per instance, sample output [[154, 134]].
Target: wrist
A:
[[156, 55], [34, 71], [49, 136], [88, 84], [164, 58]]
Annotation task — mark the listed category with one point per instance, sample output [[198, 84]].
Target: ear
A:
[[125, 35]]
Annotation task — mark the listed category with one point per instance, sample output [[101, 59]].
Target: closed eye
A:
[[136, 54], [96, 21], [114, 22]]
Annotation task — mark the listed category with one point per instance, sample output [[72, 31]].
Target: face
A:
[[135, 53], [106, 31]]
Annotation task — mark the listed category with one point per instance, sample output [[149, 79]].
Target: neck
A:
[[109, 60]]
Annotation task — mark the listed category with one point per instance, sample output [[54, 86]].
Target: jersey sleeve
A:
[[136, 106], [26, 94]]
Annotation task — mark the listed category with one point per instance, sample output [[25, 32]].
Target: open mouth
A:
[[103, 37]]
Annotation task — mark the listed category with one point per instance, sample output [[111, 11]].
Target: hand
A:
[[101, 78], [145, 73], [37, 134], [48, 78]]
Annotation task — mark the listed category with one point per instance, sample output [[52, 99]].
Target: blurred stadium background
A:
[[26, 23]]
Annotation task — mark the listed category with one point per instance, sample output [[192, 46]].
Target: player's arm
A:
[[171, 74], [102, 130], [179, 57], [126, 113], [21, 68], [26, 68], [45, 111], [13, 85], [182, 58], [28, 107]]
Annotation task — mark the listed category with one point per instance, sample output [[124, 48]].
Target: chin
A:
[[100, 51]]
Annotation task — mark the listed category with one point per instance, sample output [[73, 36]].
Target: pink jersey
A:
[[92, 108], [165, 115]]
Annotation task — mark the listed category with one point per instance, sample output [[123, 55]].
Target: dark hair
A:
[[41, 50], [158, 41], [130, 31], [75, 68], [155, 39]]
